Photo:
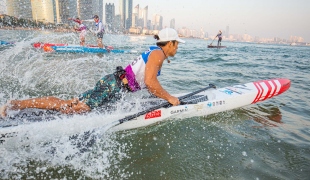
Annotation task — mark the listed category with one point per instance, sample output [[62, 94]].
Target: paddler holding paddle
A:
[[141, 73], [219, 35], [82, 29], [99, 31]]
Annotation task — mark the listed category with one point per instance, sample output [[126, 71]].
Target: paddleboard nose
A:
[[285, 85], [269, 88]]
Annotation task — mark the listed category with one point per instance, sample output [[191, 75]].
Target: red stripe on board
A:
[[268, 91], [275, 88], [262, 89], [258, 92]]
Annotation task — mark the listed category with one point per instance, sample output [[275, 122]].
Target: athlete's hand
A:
[[68, 107], [174, 101]]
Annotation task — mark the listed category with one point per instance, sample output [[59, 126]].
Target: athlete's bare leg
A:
[[49, 103], [100, 45], [82, 42]]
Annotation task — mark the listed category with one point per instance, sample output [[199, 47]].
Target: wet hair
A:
[[161, 44]]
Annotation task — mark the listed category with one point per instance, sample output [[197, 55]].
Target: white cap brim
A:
[[180, 40]]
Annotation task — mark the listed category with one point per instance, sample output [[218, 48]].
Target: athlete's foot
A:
[[107, 48]]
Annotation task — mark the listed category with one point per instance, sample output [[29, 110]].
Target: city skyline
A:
[[277, 20], [268, 19]]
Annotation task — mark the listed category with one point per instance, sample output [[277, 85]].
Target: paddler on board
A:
[[219, 35], [141, 73], [82, 29], [99, 31]]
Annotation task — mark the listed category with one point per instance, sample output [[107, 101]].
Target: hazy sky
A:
[[263, 18]]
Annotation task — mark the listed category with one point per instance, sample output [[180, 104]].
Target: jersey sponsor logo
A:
[[153, 114]]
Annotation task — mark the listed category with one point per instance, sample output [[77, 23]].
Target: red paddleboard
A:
[[42, 45]]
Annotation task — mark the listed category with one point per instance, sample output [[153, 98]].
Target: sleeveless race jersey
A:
[[135, 71], [82, 27], [99, 27]]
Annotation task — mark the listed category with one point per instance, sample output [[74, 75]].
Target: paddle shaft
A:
[[213, 40], [128, 118]]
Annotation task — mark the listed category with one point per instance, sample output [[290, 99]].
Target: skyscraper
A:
[[172, 23], [157, 22], [43, 11], [126, 13], [88, 8], [19, 9], [97, 7], [109, 14], [66, 9], [135, 16], [3, 7], [145, 12]]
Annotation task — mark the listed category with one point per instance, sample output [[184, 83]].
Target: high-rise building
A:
[[172, 23], [100, 9], [137, 10], [117, 24], [126, 13], [135, 16], [109, 14], [88, 8], [43, 11], [19, 9], [157, 22], [149, 25], [145, 13], [3, 7], [66, 9]]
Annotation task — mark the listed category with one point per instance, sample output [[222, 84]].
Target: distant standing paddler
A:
[[219, 35]]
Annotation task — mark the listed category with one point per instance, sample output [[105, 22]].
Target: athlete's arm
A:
[[152, 67]]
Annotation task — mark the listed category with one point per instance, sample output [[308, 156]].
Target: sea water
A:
[[269, 140]]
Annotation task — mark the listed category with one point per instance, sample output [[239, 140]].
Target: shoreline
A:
[[71, 30], [35, 29]]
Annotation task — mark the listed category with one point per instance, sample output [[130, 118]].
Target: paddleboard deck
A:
[[211, 46], [204, 103]]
